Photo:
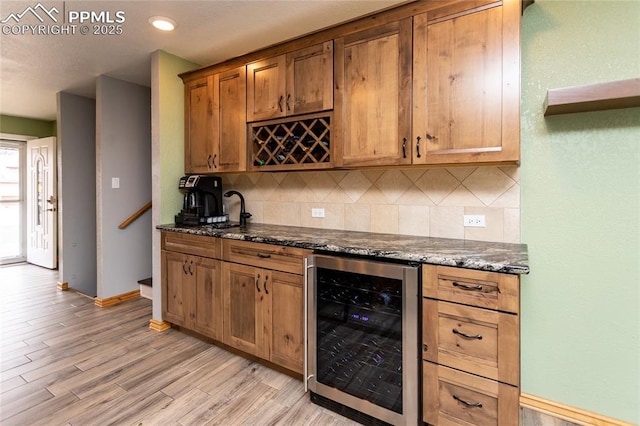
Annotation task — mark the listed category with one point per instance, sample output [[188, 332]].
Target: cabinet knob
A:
[[425, 347]]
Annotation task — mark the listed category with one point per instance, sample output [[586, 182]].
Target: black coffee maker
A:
[[202, 202]]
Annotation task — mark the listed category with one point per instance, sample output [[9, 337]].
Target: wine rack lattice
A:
[[289, 144]]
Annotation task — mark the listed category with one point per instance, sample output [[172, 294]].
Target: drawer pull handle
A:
[[467, 287], [467, 403], [263, 256], [467, 336]]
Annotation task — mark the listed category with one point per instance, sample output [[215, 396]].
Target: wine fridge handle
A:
[[305, 296]]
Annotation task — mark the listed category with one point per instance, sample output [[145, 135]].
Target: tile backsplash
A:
[[427, 202]]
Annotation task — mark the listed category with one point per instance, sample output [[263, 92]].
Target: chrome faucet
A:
[[243, 214]]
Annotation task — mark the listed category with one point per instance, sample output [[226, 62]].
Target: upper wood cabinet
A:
[[426, 83], [230, 120], [466, 83], [373, 96], [215, 123], [299, 82], [199, 156]]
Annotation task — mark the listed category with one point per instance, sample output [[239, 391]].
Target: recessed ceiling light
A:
[[162, 23]]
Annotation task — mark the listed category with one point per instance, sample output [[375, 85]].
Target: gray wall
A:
[[123, 150], [76, 192]]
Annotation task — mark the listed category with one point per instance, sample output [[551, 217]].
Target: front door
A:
[[42, 203]]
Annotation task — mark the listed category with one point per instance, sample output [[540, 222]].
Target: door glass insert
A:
[[359, 336], [39, 191]]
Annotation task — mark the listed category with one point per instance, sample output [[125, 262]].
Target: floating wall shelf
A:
[[593, 97]]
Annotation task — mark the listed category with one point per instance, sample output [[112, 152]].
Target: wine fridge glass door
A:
[[362, 344]]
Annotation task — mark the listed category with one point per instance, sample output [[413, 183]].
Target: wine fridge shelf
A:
[[286, 144]]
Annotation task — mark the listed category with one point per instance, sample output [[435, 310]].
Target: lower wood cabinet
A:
[[470, 347], [192, 293], [263, 313], [251, 296], [244, 306], [247, 295], [263, 301]]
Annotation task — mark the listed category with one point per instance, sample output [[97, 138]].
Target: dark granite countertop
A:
[[481, 255]]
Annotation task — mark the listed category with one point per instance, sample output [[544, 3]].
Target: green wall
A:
[[581, 211], [171, 131], [27, 126]]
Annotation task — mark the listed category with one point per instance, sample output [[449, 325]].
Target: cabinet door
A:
[[199, 155], [206, 297], [286, 309], [243, 295], [175, 280], [310, 79], [466, 85], [266, 89], [230, 119], [373, 96]]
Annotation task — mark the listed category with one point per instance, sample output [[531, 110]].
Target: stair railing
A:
[[128, 221]]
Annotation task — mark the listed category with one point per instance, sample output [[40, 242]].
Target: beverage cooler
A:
[[362, 338]]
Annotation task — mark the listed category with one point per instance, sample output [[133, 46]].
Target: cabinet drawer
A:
[[279, 258], [479, 341], [477, 288], [452, 397], [198, 245]]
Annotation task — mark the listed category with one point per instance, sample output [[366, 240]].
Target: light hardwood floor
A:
[[65, 361]]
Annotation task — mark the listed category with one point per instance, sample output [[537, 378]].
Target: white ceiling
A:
[[33, 68]]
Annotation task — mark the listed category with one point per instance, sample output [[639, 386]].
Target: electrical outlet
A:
[[475, 220], [115, 182], [317, 212]]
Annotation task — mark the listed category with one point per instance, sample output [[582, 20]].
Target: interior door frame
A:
[[21, 142]]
